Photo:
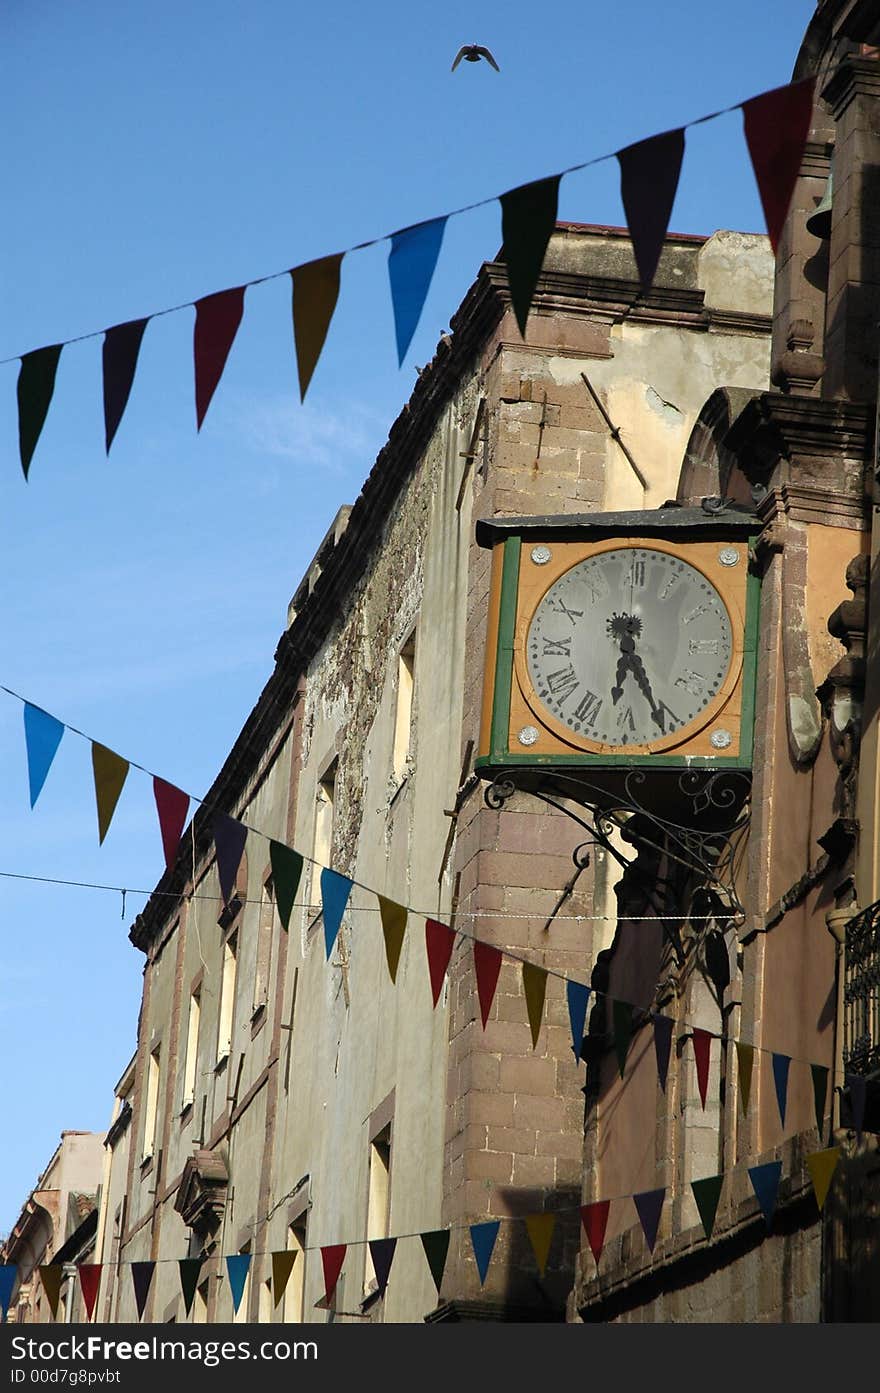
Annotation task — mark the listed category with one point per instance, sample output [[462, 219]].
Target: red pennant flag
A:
[[217, 320], [122, 344], [332, 1257], [487, 964], [89, 1280], [594, 1218], [439, 941], [649, 174], [702, 1046], [172, 806], [776, 127]]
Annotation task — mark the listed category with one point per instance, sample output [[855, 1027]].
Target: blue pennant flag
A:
[[411, 263], [483, 1238], [335, 890], [780, 1079], [42, 735], [237, 1271], [8, 1274], [578, 1001], [765, 1183]]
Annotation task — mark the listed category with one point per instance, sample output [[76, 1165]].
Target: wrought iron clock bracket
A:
[[705, 838]]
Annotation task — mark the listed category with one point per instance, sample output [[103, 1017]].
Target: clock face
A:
[[629, 647]]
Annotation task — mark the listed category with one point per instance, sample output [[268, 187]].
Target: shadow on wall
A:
[[852, 1239]]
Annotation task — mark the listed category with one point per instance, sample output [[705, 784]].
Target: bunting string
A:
[[775, 128]]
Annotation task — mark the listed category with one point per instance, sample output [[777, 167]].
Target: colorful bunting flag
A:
[[315, 292], [237, 1267], [706, 1194], [332, 1258], [436, 1246], [483, 1239], [765, 1183], [487, 965], [662, 1046], [229, 840], [781, 1064], [110, 771], [172, 805], [42, 736], [8, 1274], [335, 890], [411, 263], [89, 1280], [439, 942], [535, 988], [540, 1228], [122, 344], [287, 867], [594, 1218], [52, 1275], [649, 1205], [217, 319], [528, 217], [393, 918], [776, 127], [745, 1058], [819, 1074], [190, 1269], [282, 1266], [858, 1096], [622, 1016], [578, 997], [382, 1255], [822, 1165], [36, 383], [141, 1277], [702, 1049], [649, 173]]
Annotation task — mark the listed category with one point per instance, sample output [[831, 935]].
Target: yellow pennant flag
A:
[[111, 771], [282, 1266], [51, 1276], [540, 1228], [315, 292], [822, 1165], [535, 988], [745, 1058], [393, 927]]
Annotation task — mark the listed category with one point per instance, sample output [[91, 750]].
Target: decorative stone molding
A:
[[842, 692], [201, 1194]]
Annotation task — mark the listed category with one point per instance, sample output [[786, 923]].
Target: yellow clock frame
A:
[[510, 703]]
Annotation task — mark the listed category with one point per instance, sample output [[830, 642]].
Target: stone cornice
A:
[[856, 77]]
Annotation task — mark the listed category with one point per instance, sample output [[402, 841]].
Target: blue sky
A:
[[155, 153]]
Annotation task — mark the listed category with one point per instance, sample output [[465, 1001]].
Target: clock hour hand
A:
[[624, 627]]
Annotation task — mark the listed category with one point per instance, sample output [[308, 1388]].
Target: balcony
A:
[[861, 1010]]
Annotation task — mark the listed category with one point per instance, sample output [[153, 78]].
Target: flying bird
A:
[[472, 53]]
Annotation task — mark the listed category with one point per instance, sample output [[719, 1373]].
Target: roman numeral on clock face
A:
[[563, 682], [587, 709], [561, 607], [557, 647]]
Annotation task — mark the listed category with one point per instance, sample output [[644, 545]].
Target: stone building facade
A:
[[279, 1101], [805, 452]]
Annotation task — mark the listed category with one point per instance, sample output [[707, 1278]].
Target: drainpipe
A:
[[836, 921], [70, 1273]]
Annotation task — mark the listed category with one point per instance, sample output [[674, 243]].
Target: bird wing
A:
[[458, 57], [484, 52]]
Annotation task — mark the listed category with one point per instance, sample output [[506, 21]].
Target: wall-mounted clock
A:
[[620, 639]]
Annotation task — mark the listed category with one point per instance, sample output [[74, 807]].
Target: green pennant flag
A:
[[393, 918], [534, 981], [745, 1058], [315, 292], [51, 1276], [706, 1193], [820, 1093], [282, 1266], [528, 217], [36, 383], [436, 1246], [622, 1031], [189, 1279], [287, 867]]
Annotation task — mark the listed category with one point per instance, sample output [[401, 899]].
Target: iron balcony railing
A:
[[861, 993]]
